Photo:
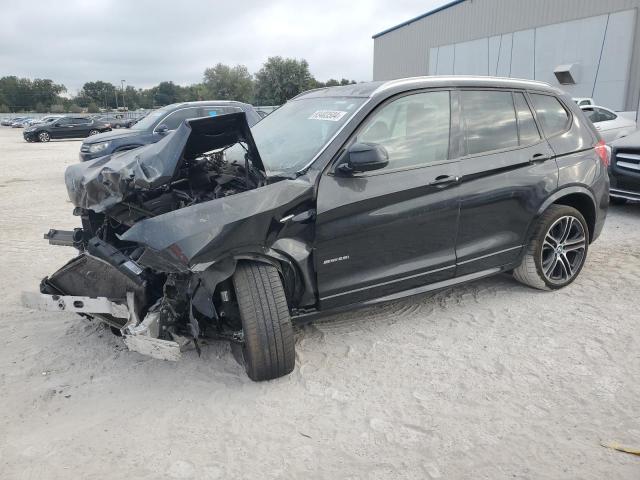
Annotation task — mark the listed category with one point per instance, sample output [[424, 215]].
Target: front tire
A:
[[269, 347], [93, 132], [557, 250], [44, 137]]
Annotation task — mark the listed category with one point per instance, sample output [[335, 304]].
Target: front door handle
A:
[[442, 180], [538, 157]]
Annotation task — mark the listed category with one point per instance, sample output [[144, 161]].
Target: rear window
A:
[[551, 114], [490, 121]]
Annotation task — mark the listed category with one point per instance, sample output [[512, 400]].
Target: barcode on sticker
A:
[[331, 115]]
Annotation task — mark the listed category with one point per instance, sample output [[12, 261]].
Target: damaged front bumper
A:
[[139, 336]]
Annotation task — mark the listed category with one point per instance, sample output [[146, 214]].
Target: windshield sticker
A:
[[331, 115]]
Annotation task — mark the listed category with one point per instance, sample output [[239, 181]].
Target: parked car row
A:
[[64, 127]]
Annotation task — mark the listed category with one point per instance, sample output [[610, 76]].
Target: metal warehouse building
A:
[[590, 48]]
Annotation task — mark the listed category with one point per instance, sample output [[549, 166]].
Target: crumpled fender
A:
[[203, 233]]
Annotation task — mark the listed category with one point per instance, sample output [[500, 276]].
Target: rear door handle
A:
[[442, 180], [538, 157]]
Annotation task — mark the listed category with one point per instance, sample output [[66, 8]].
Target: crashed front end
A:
[[160, 226]]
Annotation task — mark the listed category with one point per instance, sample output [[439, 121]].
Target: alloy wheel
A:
[[43, 136], [563, 250], [93, 132]]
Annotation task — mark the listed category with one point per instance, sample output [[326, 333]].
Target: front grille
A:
[[628, 161]]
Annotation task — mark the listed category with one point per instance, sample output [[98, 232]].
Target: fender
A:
[[293, 260], [563, 192], [291, 257], [550, 200]]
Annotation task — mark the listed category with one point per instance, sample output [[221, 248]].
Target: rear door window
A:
[[551, 114], [527, 130], [605, 115], [489, 119], [176, 118]]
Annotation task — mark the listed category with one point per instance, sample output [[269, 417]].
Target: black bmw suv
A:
[[158, 123], [65, 127], [343, 197]]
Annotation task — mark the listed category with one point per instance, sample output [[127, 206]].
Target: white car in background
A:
[[583, 101], [610, 124]]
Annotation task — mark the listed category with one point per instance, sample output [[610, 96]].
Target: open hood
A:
[[101, 183]]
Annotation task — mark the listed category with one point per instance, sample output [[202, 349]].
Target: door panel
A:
[[501, 190], [81, 128], [381, 234], [499, 196], [63, 131]]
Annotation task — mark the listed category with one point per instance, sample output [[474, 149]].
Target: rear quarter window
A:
[[552, 115]]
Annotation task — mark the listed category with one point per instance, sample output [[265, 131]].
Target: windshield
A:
[[150, 120], [292, 135]]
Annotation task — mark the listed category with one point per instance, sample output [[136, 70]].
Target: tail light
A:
[[604, 152]]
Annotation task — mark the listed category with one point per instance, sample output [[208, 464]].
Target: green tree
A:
[[73, 108], [93, 108], [223, 82], [57, 108], [4, 108], [166, 93], [100, 93], [23, 94], [280, 79]]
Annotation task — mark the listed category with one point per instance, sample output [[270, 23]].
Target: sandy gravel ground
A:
[[490, 380]]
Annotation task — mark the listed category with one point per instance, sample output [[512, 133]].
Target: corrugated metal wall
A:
[[405, 51]]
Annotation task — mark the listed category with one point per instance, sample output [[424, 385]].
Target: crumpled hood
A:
[[102, 183]]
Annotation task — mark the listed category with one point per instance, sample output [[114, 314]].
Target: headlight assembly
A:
[[98, 147]]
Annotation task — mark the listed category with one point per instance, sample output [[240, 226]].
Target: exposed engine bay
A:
[[158, 223]]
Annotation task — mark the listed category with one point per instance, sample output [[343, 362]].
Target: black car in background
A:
[[158, 123], [65, 127], [624, 171], [342, 197]]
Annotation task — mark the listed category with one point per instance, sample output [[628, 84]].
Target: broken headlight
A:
[[98, 147]]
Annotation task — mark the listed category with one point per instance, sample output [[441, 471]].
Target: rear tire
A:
[[93, 132], [557, 250], [269, 347]]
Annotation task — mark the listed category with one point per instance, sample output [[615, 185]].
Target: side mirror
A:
[[364, 157], [162, 129]]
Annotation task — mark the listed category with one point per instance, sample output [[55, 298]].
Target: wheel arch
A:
[[579, 198], [294, 270]]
